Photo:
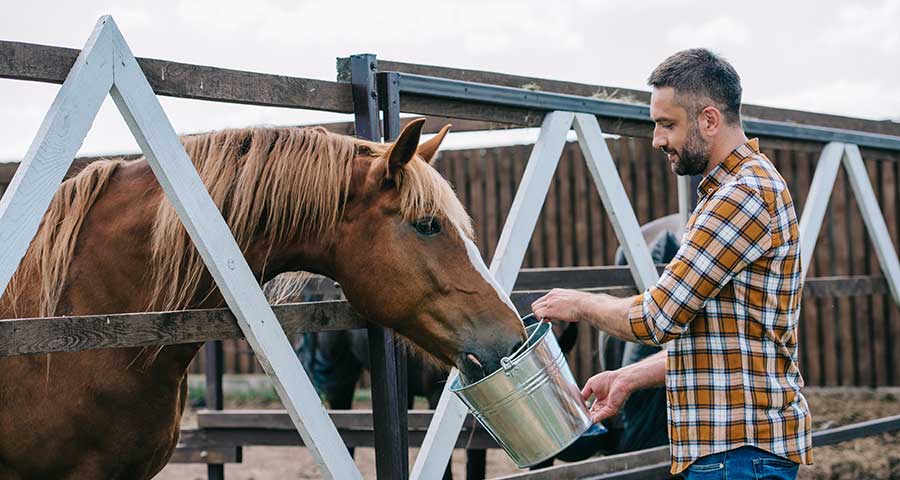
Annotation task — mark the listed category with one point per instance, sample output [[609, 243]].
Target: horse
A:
[[377, 218]]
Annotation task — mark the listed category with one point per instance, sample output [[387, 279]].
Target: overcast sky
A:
[[826, 56]]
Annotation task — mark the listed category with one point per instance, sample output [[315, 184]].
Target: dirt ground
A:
[[867, 458]]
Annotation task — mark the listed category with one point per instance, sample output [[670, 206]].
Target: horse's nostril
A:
[[472, 358]]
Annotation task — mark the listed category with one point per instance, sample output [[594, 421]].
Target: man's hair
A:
[[696, 74]]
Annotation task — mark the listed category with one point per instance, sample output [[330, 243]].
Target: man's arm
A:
[[730, 233], [612, 388], [603, 311]]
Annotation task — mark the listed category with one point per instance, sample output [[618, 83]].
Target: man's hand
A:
[[562, 304], [611, 390]]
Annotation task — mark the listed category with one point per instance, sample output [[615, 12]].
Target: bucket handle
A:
[[507, 362]]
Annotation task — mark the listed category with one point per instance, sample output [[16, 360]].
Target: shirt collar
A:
[[727, 168]]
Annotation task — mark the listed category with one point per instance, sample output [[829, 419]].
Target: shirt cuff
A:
[[638, 322]]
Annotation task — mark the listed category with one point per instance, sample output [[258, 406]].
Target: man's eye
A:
[[427, 227]]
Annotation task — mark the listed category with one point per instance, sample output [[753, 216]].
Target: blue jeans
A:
[[742, 463]]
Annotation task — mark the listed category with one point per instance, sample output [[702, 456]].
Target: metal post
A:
[[214, 394], [388, 408]]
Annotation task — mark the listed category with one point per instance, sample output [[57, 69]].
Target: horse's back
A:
[[110, 413]]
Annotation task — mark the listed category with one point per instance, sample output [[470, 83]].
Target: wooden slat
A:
[[211, 455], [279, 420], [652, 463], [67, 334], [59, 334], [25, 61], [227, 437]]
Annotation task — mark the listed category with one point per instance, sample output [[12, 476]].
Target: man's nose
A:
[[659, 141]]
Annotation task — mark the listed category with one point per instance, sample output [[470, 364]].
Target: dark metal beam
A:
[[447, 89], [391, 444]]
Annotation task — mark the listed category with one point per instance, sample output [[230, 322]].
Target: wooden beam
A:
[[279, 419], [70, 334], [211, 455], [42, 63], [229, 437], [649, 463]]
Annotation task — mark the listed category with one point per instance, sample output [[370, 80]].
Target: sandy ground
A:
[[867, 458]]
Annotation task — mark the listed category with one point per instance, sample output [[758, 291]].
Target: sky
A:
[[826, 56]]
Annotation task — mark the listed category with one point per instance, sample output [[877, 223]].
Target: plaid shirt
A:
[[729, 303]]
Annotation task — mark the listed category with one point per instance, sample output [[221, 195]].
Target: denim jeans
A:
[[742, 463]]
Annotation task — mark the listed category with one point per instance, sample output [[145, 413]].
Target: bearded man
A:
[[727, 304]]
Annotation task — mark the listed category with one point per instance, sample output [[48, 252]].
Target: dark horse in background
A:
[[375, 217]]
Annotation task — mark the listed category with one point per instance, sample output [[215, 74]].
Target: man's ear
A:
[[404, 149], [428, 149], [710, 120]]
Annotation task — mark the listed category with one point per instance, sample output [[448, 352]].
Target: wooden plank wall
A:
[[849, 340]]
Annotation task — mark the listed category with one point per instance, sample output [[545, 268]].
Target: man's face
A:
[[677, 134]]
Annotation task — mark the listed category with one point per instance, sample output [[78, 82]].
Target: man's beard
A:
[[693, 157]]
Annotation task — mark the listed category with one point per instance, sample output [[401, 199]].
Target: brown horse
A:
[[377, 218]]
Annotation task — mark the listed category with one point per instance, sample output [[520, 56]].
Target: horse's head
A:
[[405, 258]]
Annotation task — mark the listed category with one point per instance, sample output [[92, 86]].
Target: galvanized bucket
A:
[[531, 405]]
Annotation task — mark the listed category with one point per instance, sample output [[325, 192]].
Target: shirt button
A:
[[709, 190]]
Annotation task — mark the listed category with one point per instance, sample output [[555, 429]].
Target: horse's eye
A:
[[427, 227]]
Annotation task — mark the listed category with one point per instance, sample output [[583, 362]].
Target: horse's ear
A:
[[429, 148], [404, 149]]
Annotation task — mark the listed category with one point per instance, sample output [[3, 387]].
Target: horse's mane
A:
[[51, 250], [290, 181]]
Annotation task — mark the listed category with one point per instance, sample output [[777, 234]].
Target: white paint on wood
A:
[[873, 218], [530, 197], [224, 260], [54, 147], [437, 447], [517, 232], [106, 65], [618, 207], [817, 201]]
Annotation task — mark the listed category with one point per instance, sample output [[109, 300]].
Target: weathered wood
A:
[[653, 462], [42, 63], [228, 437], [279, 420], [71, 334], [58, 139], [599, 466], [211, 456]]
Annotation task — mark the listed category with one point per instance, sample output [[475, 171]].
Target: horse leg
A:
[[476, 464]]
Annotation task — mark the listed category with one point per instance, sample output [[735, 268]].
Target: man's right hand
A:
[[611, 390]]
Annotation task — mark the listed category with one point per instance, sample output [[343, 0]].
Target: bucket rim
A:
[[513, 358]]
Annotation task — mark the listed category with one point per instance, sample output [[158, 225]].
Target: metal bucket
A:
[[531, 405]]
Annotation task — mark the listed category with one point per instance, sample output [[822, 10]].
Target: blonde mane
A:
[[50, 253], [291, 181]]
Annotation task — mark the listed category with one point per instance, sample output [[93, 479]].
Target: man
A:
[[729, 300]]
